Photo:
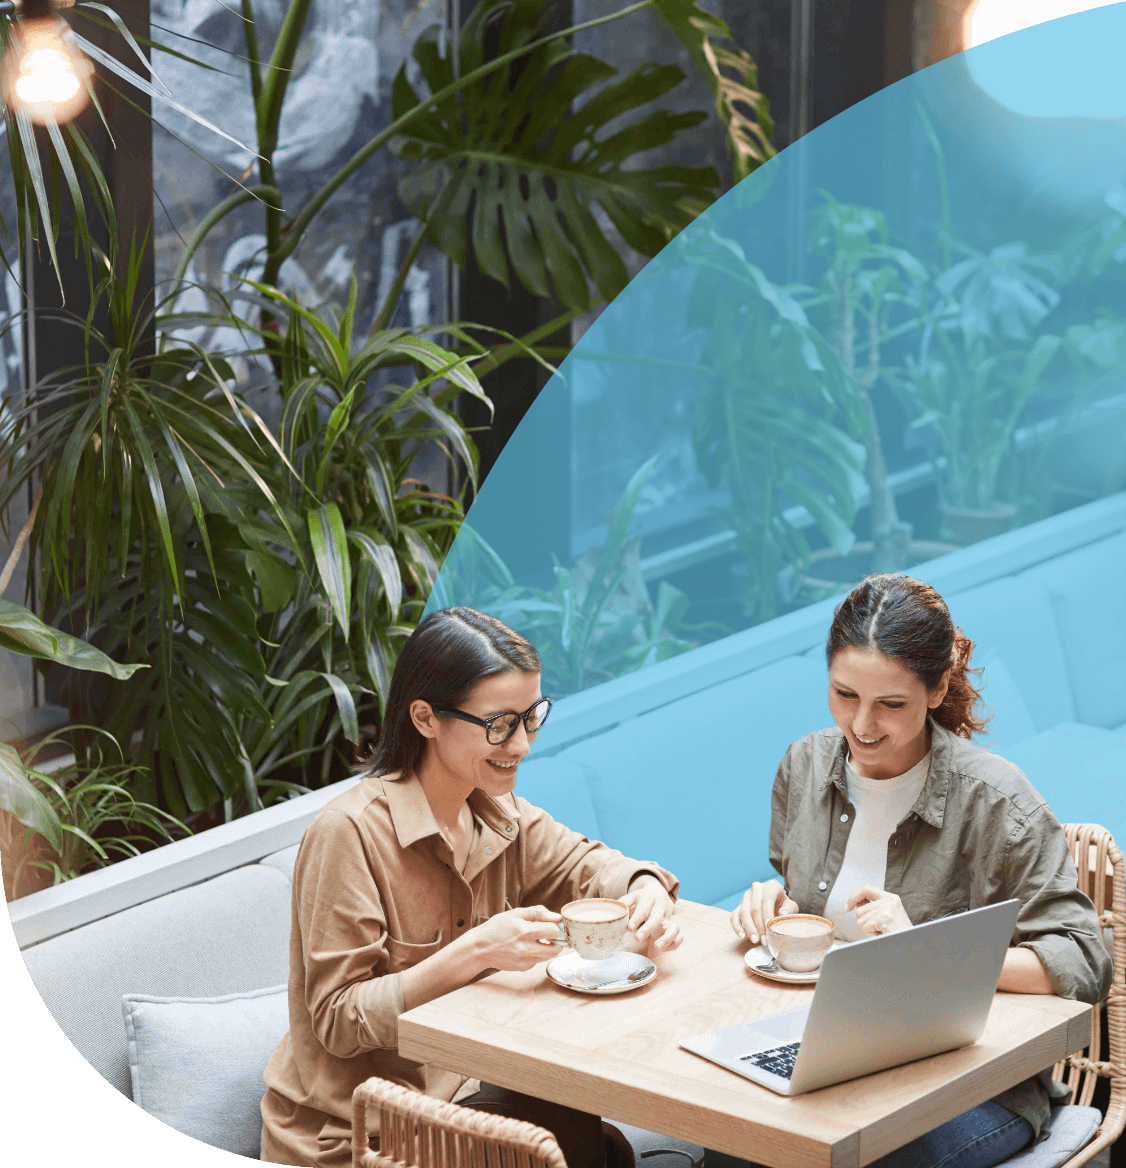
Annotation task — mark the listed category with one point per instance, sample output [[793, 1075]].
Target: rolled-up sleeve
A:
[[779, 799], [560, 865], [1057, 921], [353, 1001]]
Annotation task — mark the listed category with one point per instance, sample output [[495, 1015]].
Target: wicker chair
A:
[[416, 1131], [1100, 867]]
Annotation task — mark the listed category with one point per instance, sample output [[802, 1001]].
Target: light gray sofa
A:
[[675, 762]]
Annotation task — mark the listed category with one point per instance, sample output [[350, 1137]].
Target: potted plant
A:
[[52, 827], [267, 570], [862, 284]]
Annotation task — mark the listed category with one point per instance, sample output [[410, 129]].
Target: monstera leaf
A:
[[520, 159], [733, 77]]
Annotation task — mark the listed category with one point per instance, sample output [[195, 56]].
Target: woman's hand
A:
[[514, 940], [760, 903], [878, 911], [651, 914]]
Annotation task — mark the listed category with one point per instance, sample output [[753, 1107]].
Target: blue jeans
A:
[[978, 1138]]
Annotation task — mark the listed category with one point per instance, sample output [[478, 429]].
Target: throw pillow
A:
[[197, 1063]]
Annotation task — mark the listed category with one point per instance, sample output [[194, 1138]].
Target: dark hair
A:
[[443, 659], [907, 620]]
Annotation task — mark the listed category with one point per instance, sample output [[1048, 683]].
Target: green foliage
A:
[[21, 631], [769, 417], [264, 573], [597, 622], [733, 79], [518, 160], [85, 810]]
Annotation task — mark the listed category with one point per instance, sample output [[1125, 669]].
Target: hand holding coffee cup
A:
[[760, 902], [799, 941], [595, 927]]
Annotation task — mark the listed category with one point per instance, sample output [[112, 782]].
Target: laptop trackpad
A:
[[735, 1042], [779, 1028]]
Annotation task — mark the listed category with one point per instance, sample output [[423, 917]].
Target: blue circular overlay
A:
[[898, 346]]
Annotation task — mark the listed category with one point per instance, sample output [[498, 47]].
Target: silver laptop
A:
[[878, 1003]]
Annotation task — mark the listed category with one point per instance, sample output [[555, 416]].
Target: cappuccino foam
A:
[[594, 916], [801, 928]]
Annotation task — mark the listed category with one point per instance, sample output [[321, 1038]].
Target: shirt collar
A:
[[931, 803], [414, 820]]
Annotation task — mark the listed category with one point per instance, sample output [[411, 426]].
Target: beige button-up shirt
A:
[[374, 893], [979, 833]]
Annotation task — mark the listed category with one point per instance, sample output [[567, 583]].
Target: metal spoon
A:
[[771, 966], [637, 975]]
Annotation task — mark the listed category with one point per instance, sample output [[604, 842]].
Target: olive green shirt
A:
[[979, 833], [375, 891]]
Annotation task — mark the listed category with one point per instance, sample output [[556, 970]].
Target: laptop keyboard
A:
[[779, 1060]]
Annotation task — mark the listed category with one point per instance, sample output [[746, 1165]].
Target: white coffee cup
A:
[[799, 941], [595, 928]]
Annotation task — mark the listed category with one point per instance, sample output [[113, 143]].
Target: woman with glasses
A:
[[428, 873]]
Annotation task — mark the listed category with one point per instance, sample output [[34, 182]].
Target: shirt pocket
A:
[[404, 954]]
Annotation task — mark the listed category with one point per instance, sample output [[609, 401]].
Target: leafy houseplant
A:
[[772, 402], [266, 571], [863, 279], [27, 811], [480, 161], [93, 816], [598, 621], [224, 554]]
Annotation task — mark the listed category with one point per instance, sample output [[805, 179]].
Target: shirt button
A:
[[822, 886], [508, 828], [488, 851], [844, 819], [461, 924]]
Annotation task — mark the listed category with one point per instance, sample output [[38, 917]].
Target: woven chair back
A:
[[416, 1131], [1102, 876]]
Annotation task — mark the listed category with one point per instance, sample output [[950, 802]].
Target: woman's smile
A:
[[882, 708]]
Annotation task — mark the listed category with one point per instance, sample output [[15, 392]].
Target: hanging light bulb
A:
[[43, 75]]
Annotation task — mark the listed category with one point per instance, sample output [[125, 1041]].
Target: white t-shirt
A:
[[881, 805]]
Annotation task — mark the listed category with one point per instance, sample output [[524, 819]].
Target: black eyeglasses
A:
[[501, 727]]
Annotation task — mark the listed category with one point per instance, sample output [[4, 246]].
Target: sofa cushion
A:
[[225, 935], [283, 861], [196, 1063], [559, 787], [1014, 617], [1086, 589], [688, 785], [1080, 770], [1010, 721]]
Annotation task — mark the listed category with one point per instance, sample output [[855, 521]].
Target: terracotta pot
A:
[[967, 525], [828, 569], [24, 847]]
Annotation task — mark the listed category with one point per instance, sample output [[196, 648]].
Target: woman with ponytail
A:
[[895, 817]]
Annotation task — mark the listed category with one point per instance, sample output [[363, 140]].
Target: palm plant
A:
[[266, 570]]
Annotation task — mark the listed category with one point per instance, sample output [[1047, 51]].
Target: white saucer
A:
[[608, 976], [760, 955]]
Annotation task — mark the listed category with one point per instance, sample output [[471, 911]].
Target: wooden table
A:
[[617, 1056]]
